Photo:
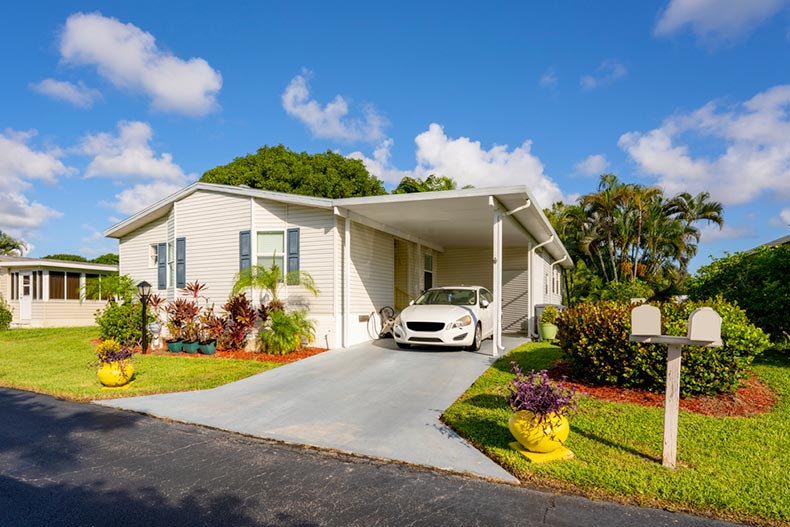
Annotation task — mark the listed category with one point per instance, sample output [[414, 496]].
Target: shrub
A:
[[284, 331], [549, 315], [238, 322], [625, 290], [756, 280], [121, 322], [595, 343], [5, 314], [536, 393]]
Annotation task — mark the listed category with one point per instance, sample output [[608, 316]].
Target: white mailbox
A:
[[645, 320], [705, 326]]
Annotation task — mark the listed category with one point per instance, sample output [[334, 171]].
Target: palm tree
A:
[[11, 246], [270, 279], [604, 205]]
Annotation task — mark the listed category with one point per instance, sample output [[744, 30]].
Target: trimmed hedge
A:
[[6, 316], [595, 344]]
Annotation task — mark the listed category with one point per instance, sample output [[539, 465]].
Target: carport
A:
[[473, 219]]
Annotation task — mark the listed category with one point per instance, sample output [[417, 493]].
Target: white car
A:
[[447, 316]]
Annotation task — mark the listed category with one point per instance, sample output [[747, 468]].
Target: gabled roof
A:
[[461, 218], [23, 262], [163, 206], [784, 240]]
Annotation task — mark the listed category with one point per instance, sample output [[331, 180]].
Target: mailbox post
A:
[[704, 329]]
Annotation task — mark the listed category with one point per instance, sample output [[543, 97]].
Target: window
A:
[[92, 287], [25, 285], [486, 294], [72, 286], [57, 285], [271, 249], [153, 255], [427, 271], [171, 263]]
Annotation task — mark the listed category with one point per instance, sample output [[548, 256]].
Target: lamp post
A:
[[144, 289]]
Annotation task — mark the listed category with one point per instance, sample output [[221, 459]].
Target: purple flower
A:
[[536, 393]]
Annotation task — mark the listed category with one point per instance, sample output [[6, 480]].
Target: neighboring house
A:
[[363, 253], [784, 240], [49, 293]]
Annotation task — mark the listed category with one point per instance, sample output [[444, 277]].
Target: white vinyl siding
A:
[[372, 269], [473, 266], [134, 251], [315, 257], [210, 222]]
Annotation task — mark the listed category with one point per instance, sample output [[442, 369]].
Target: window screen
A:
[[271, 249]]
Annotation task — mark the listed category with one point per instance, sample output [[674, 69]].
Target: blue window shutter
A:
[[244, 250], [181, 262], [293, 254], [161, 265]]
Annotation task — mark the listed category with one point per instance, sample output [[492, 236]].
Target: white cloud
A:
[[549, 78], [711, 233], [138, 197], [716, 20], [95, 244], [607, 73], [782, 219], [77, 94], [331, 121], [468, 163], [19, 165], [593, 165], [755, 156], [129, 155], [129, 58]]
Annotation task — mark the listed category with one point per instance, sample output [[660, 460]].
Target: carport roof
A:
[[462, 218]]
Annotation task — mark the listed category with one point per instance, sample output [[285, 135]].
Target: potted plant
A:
[[211, 328], [540, 419], [548, 320], [114, 363]]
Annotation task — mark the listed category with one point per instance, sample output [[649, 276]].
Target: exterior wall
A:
[[210, 223], [372, 277], [133, 252], [5, 283], [472, 266]]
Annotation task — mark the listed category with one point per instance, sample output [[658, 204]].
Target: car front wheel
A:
[[475, 346]]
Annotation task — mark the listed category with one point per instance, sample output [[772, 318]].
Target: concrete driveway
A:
[[371, 399]]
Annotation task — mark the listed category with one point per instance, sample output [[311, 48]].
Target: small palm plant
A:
[[270, 279]]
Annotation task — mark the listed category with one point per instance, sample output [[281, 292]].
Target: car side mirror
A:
[[484, 303]]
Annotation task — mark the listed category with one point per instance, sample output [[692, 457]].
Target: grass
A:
[[734, 468], [57, 361]]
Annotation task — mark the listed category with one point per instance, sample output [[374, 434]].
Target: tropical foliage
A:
[[121, 321], [535, 392], [595, 344], [757, 281], [270, 280], [432, 183], [328, 175], [5, 314], [626, 232], [10, 246]]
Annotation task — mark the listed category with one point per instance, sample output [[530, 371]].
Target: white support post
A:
[[497, 344], [671, 406]]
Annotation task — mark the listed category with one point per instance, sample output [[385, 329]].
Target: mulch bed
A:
[[245, 355], [752, 398]]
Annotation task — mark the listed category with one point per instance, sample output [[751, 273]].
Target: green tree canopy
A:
[[327, 175], [107, 259], [432, 183], [10, 246], [66, 257], [630, 233]]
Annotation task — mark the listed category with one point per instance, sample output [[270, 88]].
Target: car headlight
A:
[[397, 321], [464, 321]]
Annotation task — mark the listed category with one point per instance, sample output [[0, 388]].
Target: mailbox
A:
[[705, 326], [646, 320]]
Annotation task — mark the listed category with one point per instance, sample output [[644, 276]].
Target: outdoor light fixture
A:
[[144, 289]]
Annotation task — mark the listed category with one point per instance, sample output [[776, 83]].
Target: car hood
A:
[[435, 313]]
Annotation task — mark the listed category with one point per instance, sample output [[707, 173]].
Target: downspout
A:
[[531, 303]]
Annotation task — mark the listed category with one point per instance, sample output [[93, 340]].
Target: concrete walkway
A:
[[370, 399]]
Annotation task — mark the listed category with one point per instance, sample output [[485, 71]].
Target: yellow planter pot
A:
[[115, 373], [542, 438]]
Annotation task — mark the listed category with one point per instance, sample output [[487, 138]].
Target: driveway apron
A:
[[371, 399]]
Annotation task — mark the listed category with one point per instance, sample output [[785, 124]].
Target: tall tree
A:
[[327, 175], [10, 246], [432, 183]]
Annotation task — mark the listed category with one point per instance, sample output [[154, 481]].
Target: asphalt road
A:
[[69, 464]]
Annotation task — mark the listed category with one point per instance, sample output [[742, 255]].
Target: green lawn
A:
[[735, 468], [57, 362]]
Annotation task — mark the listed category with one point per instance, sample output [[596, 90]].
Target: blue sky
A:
[[108, 107]]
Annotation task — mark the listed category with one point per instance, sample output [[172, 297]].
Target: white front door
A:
[[25, 297]]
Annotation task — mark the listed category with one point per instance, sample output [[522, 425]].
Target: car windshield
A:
[[454, 297]]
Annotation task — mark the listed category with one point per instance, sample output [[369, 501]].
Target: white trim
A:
[[346, 282], [335, 283], [42, 263]]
